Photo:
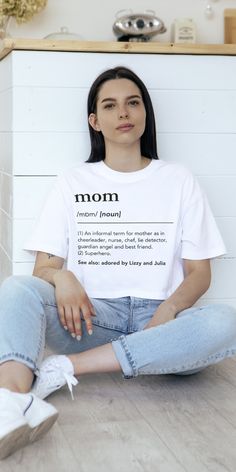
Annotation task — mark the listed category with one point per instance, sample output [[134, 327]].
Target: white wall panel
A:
[[6, 193], [22, 268], [6, 152], [6, 74], [203, 154], [195, 111], [6, 110], [221, 192], [49, 153], [49, 109], [163, 71], [227, 227], [31, 193], [6, 233], [5, 265], [22, 229], [1, 192], [225, 301], [223, 279]]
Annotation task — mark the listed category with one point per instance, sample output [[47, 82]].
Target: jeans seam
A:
[[200, 363], [15, 356], [131, 361], [131, 317], [108, 326], [42, 333]]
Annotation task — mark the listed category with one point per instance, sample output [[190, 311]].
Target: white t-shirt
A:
[[127, 233]]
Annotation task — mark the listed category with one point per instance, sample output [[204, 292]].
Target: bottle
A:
[[184, 31]]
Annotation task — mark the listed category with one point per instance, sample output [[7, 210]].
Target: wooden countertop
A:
[[12, 44]]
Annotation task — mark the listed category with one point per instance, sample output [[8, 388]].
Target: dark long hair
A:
[[148, 139]]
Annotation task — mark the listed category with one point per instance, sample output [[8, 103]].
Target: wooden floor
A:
[[149, 424]]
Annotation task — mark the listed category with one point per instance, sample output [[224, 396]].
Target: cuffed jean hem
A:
[[22, 359], [130, 369], [124, 357]]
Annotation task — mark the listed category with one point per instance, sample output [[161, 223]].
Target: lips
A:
[[125, 127]]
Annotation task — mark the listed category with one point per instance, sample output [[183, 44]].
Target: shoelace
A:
[[71, 381], [69, 378]]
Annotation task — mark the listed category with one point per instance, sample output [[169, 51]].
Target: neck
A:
[[125, 159]]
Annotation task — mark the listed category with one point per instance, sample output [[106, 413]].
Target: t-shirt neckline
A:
[[132, 176]]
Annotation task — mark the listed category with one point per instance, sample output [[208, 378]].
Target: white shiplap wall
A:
[[43, 130]]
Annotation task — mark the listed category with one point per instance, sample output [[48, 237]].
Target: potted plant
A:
[[21, 10]]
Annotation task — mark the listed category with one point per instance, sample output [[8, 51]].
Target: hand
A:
[[196, 282], [164, 313], [72, 302]]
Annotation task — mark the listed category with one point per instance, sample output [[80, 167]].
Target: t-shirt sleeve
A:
[[50, 232], [201, 238]]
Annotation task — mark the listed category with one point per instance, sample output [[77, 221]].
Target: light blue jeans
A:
[[195, 339]]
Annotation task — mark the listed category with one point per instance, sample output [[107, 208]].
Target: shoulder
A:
[[75, 173], [175, 169], [181, 179]]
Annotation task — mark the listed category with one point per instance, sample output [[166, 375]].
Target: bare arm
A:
[[195, 284], [47, 266], [72, 300]]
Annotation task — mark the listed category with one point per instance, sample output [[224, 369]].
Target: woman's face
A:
[[120, 114]]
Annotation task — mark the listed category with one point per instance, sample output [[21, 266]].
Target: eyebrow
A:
[[110, 99]]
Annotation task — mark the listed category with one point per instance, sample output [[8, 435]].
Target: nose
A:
[[123, 113]]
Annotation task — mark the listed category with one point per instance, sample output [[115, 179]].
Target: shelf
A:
[[15, 44]]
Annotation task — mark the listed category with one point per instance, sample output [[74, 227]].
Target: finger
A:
[[86, 311], [69, 320], [77, 322], [92, 309], [61, 313]]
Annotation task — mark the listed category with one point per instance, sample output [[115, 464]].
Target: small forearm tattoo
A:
[[50, 255]]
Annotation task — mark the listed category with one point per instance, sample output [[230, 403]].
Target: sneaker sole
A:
[[24, 435], [38, 431], [14, 440]]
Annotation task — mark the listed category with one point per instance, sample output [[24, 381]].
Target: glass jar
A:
[[64, 34]]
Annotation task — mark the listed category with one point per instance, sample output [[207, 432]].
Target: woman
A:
[[123, 253]]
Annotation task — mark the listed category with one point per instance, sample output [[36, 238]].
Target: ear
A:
[[93, 121]]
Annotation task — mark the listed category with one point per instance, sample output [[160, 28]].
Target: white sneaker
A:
[[24, 418], [54, 373]]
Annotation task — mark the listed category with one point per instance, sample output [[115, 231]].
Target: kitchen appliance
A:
[[131, 26]]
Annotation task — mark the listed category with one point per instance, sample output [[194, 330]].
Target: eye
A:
[[109, 106], [134, 102]]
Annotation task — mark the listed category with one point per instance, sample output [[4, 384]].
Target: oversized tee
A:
[[127, 233]]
